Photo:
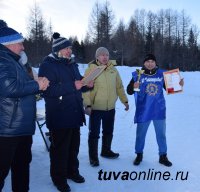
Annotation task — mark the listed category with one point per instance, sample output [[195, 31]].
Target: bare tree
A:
[[49, 31], [101, 24], [167, 33], [93, 34], [151, 30], [119, 42], [38, 41], [106, 24], [185, 26], [140, 20]]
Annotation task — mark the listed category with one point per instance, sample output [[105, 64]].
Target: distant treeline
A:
[[169, 34]]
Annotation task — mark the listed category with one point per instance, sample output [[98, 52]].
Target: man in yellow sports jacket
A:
[[100, 105]]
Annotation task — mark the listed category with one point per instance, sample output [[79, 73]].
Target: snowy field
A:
[[183, 138]]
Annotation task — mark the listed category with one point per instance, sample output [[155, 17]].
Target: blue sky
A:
[[70, 18]]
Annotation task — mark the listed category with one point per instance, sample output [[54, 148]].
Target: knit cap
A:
[[9, 35], [59, 43], [150, 57], [101, 51]]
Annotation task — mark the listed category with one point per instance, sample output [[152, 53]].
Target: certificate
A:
[[172, 79], [93, 74]]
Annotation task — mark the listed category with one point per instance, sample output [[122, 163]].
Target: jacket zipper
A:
[[107, 88]]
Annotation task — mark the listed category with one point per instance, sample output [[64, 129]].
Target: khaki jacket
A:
[[107, 88]]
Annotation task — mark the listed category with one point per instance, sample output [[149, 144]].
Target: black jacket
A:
[[63, 103], [17, 99]]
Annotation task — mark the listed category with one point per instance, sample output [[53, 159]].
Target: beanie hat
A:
[[60, 43], [9, 35], [100, 51], [150, 57]]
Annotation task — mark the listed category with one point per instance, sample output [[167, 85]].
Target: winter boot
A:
[[106, 148], [63, 188], [61, 184], [77, 178], [164, 160], [138, 159], [93, 152]]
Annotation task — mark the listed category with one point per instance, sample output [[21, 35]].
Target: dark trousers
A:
[[15, 154], [64, 151], [106, 117]]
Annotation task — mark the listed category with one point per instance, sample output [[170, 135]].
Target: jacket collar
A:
[[67, 61], [110, 63], [150, 72]]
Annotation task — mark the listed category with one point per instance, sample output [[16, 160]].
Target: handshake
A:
[[43, 83]]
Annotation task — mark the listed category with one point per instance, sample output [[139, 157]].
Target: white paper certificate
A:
[[172, 79]]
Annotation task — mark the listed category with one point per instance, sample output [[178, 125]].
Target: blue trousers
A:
[[160, 130]]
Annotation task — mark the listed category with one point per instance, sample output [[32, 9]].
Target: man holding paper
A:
[[100, 105], [150, 106], [64, 112]]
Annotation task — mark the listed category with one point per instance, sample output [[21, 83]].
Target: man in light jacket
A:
[[100, 105]]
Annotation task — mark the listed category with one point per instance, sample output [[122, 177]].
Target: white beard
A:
[[23, 58]]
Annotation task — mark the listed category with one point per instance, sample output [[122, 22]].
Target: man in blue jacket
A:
[[64, 112], [150, 107], [17, 110]]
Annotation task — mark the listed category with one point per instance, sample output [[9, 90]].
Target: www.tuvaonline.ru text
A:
[[148, 175]]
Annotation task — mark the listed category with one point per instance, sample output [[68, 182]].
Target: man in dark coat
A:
[[64, 112], [17, 110]]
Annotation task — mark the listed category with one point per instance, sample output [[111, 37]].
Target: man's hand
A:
[[181, 82], [43, 83], [90, 84], [126, 106], [136, 85], [78, 84], [88, 111]]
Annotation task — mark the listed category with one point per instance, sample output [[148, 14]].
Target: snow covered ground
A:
[[183, 137]]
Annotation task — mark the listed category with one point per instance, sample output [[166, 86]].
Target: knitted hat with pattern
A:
[[9, 35], [59, 43]]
